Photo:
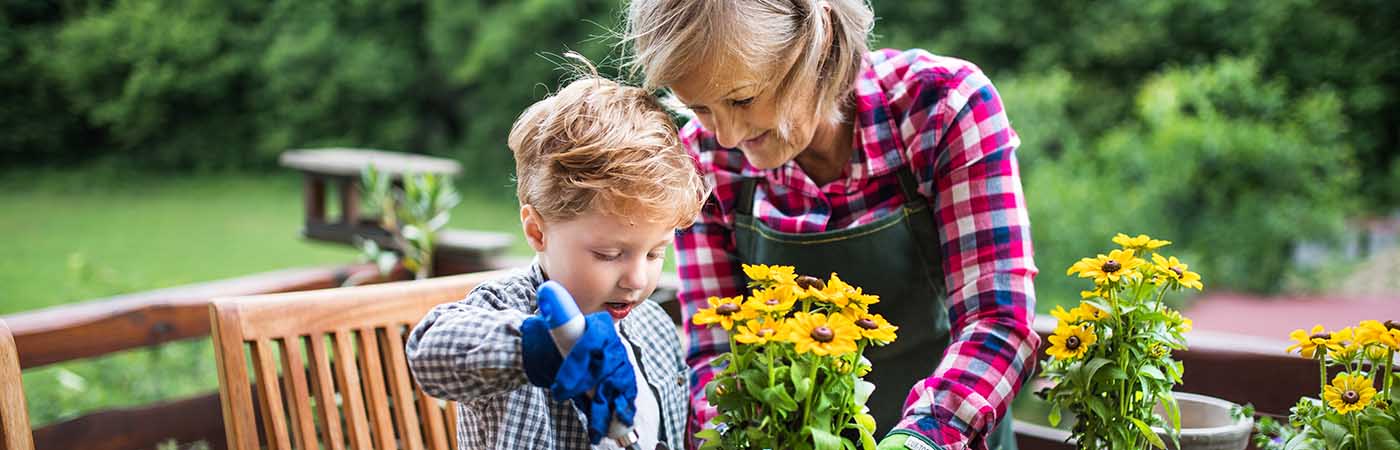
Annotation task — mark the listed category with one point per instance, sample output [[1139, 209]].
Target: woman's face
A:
[[738, 105]]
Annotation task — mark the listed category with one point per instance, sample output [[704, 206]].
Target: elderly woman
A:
[[895, 169]]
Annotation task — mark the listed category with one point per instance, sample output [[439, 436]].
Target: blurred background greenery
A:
[[138, 139]]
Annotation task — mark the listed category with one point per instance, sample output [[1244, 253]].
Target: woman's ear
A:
[[533, 226]]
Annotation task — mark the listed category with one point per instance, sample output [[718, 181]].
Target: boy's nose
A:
[[635, 278]]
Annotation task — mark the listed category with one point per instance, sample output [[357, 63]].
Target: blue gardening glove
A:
[[598, 363]]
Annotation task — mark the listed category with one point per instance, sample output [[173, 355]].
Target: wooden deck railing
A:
[[1236, 368], [126, 322]]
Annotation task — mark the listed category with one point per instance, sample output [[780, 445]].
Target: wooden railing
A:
[[104, 326], [1236, 368]]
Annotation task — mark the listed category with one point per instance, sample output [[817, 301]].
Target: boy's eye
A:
[[656, 255], [742, 102], [605, 256]]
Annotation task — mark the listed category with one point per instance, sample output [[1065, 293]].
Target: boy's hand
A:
[[596, 374]]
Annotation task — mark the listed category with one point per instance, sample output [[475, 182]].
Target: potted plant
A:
[[792, 378], [1110, 360], [1357, 409]]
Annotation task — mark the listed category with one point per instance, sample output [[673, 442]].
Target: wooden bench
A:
[[458, 251]]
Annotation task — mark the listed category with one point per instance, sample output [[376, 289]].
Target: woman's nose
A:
[[727, 130]]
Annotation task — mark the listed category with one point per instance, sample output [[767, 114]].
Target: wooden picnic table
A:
[[458, 251]]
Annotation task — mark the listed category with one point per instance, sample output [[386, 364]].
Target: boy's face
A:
[[606, 262]]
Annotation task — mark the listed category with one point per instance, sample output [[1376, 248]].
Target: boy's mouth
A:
[[619, 310]]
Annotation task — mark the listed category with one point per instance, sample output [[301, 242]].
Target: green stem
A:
[[1389, 367], [1322, 368]]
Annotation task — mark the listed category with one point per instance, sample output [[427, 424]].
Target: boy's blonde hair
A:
[[597, 145], [814, 46]]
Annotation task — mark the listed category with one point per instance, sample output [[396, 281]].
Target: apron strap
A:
[[745, 199]]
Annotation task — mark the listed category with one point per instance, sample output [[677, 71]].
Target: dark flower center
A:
[[1323, 336], [805, 282], [727, 309], [1392, 325], [1351, 397], [771, 302], [1111, 266], [867, 324], [1072, 343], [1178, 271], [823, 334]]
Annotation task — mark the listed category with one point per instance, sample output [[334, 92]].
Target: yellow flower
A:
[[1173, 269], [1096, 293], [1307, 342], [723, 311], [774, 300], [1117, 265], [1071, 342], [1139, 243], [823, 335], [872, 326], [1349, 392], [1181, 322], [843, 366], [759, 332], [1375, 332], [1083, 313], [774, 274]]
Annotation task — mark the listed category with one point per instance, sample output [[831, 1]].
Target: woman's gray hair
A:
[[814, 46]]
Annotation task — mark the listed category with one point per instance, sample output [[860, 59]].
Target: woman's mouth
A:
[[619, 310], [755, 141]]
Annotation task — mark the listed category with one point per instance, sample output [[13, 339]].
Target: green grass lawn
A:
[[80, 235]]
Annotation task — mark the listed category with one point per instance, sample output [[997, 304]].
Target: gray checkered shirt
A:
[[469, 351]]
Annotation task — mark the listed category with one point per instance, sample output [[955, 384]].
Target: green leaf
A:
[[1147, 433], [1332, 433], [1173, 410], [1380, 439], [1055, 415], [1152, 372], [1089, 369], [823, 439]]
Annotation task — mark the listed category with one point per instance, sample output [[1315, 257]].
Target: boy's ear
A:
[[533, 226]]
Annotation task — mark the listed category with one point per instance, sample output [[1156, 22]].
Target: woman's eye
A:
[[656, 255], [742, 101], [700, 110], [606, 256]]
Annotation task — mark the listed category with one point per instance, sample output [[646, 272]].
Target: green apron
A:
[[895, 257]]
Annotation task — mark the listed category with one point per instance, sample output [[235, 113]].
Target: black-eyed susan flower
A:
[[1349, 392], [824, 335], [774, 300], [872, 326], [1307, 342], [759, 332], [1139, 243], [723, 311], [761, 273], [1171, 269], [1071, 342], [1085, 312], [1117, 265], [1375, 332]]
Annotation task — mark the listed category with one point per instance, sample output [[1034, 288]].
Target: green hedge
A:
[[1240, 124]]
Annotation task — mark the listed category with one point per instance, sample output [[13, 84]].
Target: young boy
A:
[[603, 183]]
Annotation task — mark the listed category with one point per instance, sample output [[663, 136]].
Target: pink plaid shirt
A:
[[960, 145]]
